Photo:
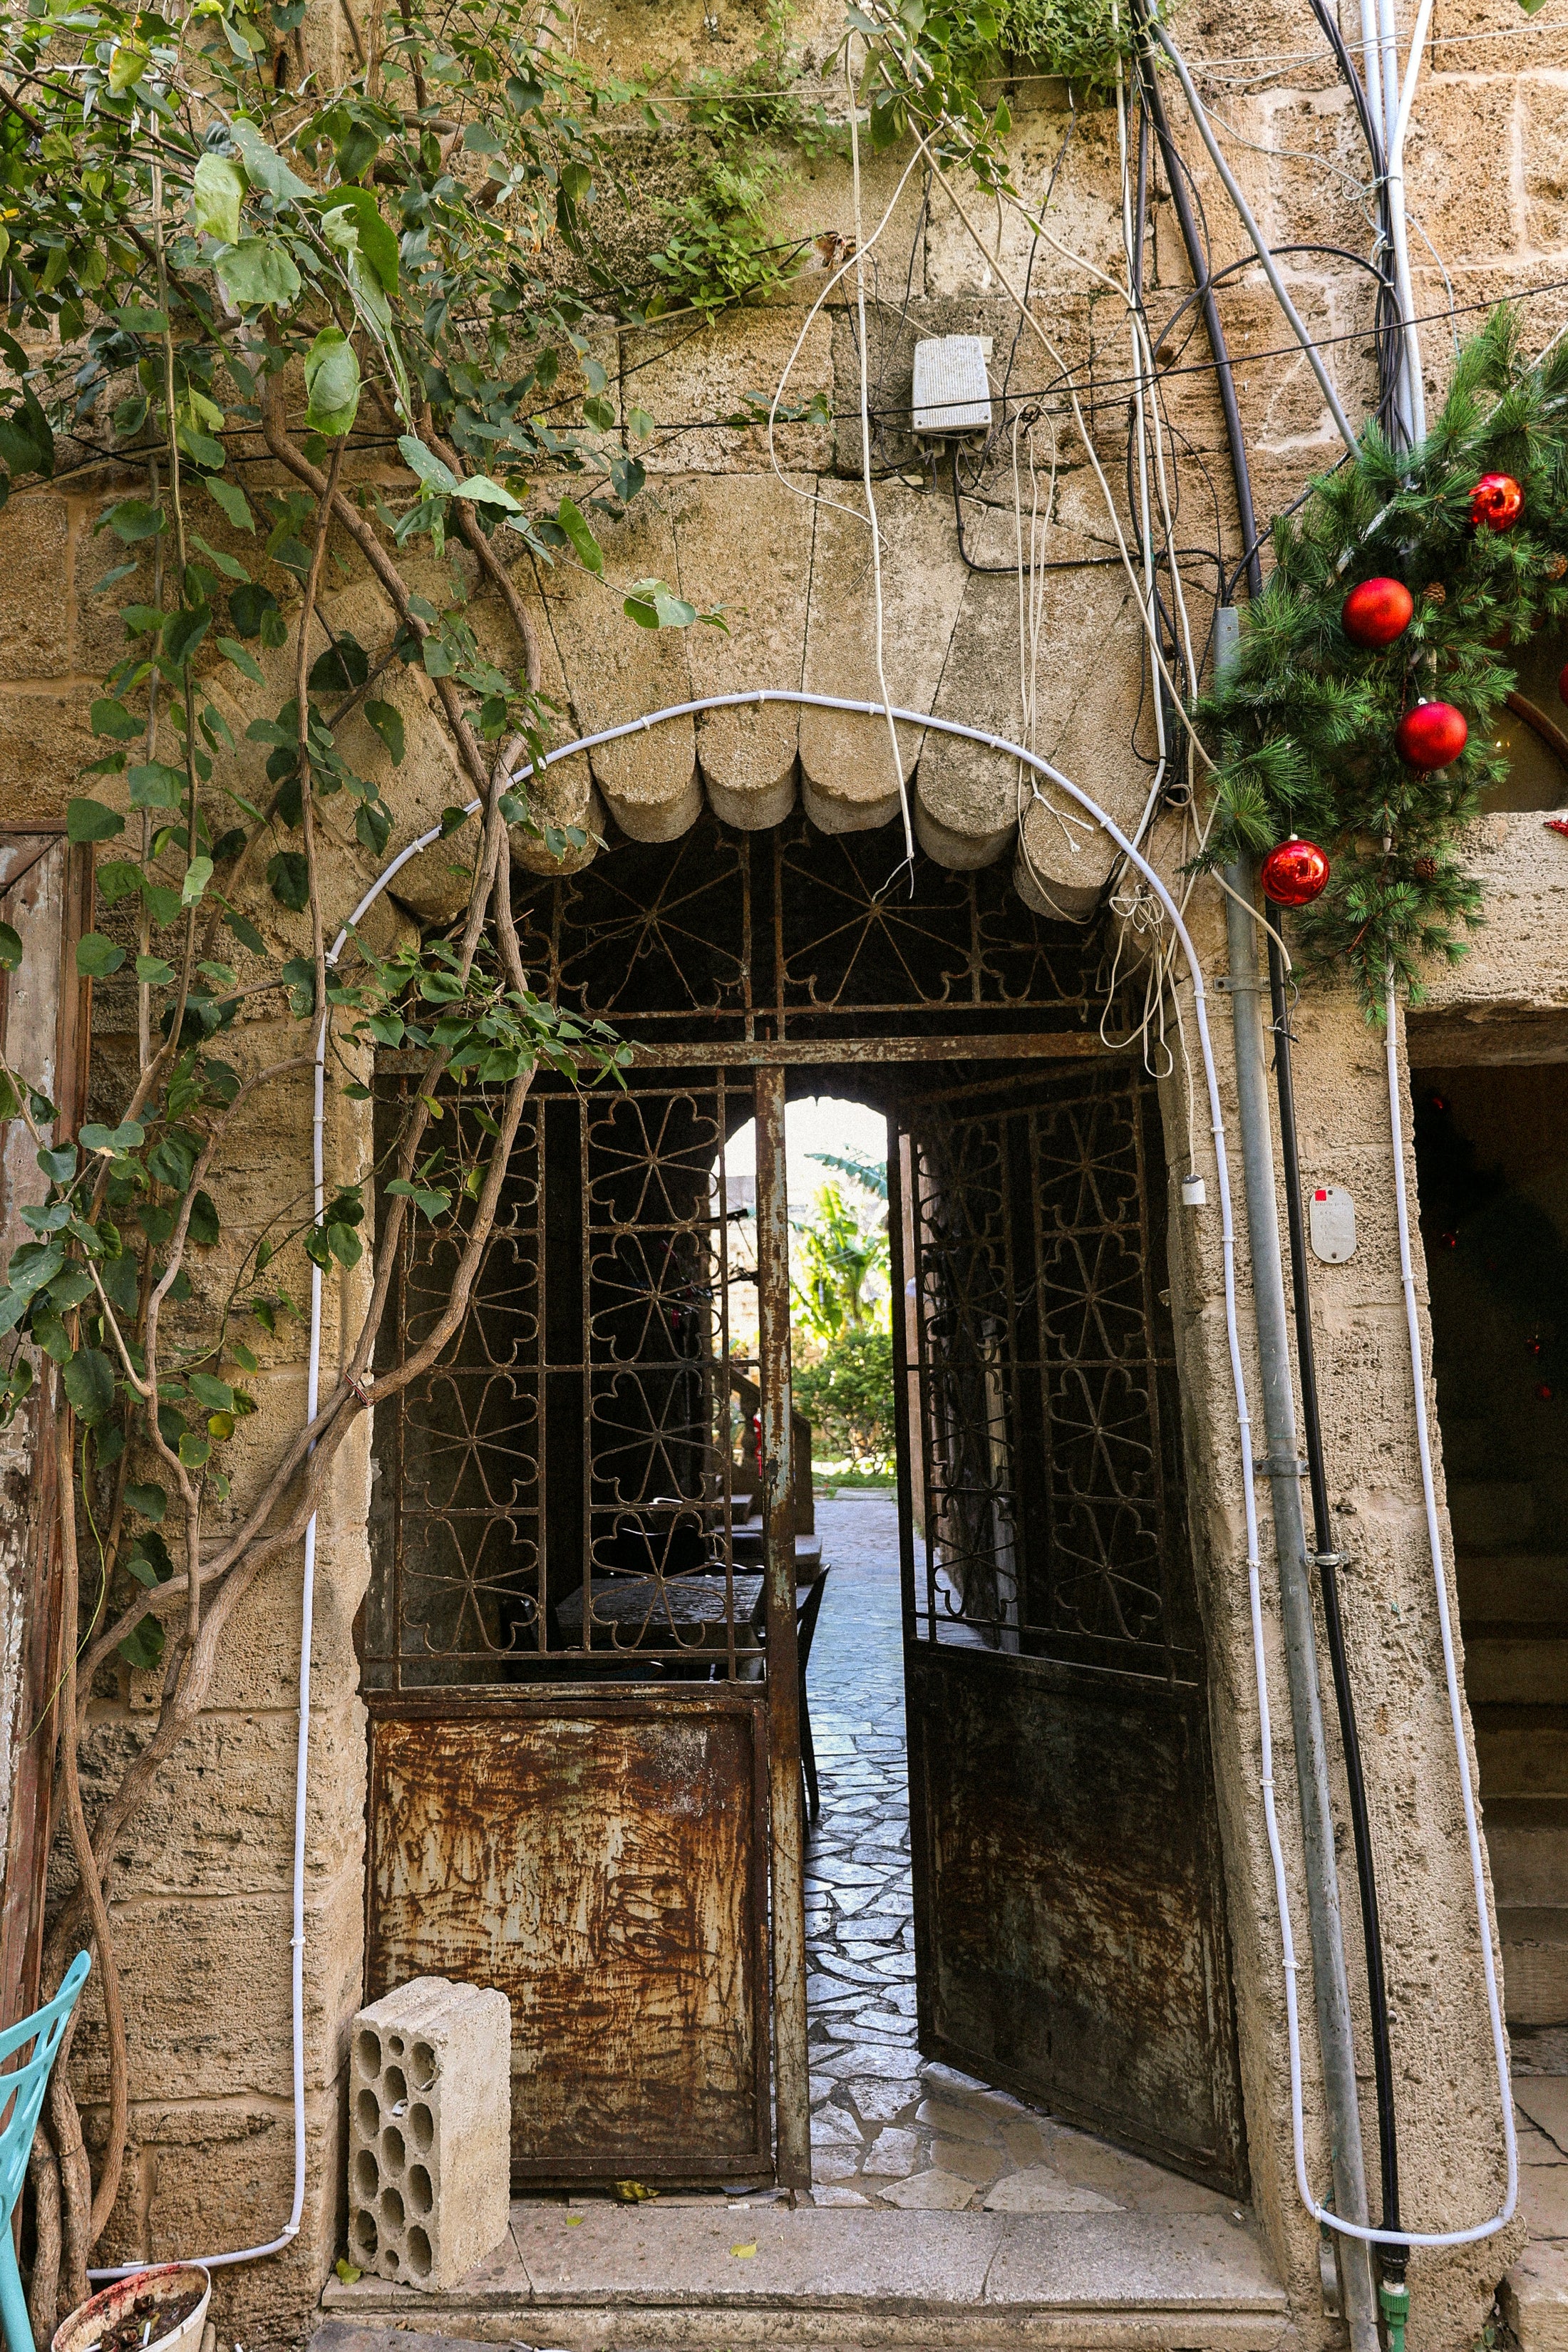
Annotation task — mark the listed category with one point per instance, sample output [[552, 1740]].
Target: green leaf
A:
[[229, 565], [247, 663], [117, 879], [654, 606], [151, 971], [59, 1163], [193, 1450], [97, 957], [627, 476], [155, 786], [288, 878], [184, 631], [10, 948], [331, 382], [215, 1394], [574, 523], [133, 520], [198, 874], [110, 717], [432, 472], [344, 665], [264, 167], [387, 722], [216, 191], [245, 933], [232, 500], [90, 820], [377, 244], [89, 1381], [150, 1501], [204, 1226], [259, 273], [144, 1645], [127, 1136]]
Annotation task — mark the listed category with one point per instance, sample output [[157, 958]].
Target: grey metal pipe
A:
[[1330, 1984]]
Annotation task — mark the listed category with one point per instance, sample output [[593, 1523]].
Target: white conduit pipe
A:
[[1261, 244], [1414, 390], [752, 699]]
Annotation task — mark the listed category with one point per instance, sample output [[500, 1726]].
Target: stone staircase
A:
[[1513, 1605]]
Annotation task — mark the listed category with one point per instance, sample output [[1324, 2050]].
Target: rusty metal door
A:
[[1069, 1924], [579, 1657]]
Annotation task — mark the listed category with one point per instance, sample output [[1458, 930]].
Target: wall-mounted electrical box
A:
[[953, 391], [1331, 1223]]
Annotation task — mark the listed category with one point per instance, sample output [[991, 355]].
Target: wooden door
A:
[[1069, 1922]]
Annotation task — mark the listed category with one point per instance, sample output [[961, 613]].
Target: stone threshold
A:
[[688, 2278]]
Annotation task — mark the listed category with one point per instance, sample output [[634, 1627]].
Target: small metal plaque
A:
[[1331, 1223]]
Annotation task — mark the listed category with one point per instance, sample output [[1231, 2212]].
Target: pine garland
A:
[[1303, 723]]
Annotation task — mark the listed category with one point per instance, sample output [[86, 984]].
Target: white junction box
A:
[[953, 391], [429, 2131], [1331, 1223]]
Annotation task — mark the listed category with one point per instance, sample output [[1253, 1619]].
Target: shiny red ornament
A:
[[1431, 735], [1294, 871], [1377, 612], [1563, 683], [1495, 502]]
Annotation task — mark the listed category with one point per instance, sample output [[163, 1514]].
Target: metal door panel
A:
[[1070, 1913], [605, 1864], [1067, 1936]]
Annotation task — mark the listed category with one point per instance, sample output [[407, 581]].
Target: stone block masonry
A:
[[429, 2131]]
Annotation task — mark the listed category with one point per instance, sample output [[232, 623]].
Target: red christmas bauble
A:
[[1562, 683], [1294, 871], [1377, 612], [1495, 502], [1431, 735]]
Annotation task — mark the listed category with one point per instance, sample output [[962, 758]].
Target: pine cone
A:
[[1426, 869], [1555, 566], [1434, 593]]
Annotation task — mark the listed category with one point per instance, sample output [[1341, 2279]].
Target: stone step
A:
[[1492, 1514], [1534, 1941], [1528, 1587], [1521, 1752], [1523, 1666], [1527, 1841], [684, 2277]]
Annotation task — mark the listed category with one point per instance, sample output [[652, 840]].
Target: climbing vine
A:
[[1305, 723]]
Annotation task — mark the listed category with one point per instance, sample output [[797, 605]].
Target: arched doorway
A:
[[578, 1648]]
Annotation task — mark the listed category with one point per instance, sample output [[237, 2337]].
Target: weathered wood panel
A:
[[605, 1864], [1070, 1940]]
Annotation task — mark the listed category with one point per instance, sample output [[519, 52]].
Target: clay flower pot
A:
[[145, 2295]]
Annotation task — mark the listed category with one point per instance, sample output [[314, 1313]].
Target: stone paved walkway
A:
[[887, 2127]]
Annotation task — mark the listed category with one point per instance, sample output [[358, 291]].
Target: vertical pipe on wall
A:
[[1330, 1983], [791, 2087]]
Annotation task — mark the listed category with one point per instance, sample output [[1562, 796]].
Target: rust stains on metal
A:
[[604, 1863]]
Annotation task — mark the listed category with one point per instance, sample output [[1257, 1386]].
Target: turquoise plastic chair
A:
[[23, 2091]]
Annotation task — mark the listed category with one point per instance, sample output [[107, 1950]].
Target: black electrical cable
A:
[[1393, 2257], [1203, 281]]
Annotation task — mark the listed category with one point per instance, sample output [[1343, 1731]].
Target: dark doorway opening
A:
[[1492, 1145]]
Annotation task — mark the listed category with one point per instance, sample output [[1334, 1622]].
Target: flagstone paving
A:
[[887, 2127]]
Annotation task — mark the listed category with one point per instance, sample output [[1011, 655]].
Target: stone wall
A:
[[202, 1898]]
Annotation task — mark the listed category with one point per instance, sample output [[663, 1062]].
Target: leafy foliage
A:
[[841, 1253], [1304, 722], [847, 1397]]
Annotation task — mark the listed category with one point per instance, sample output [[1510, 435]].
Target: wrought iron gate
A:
[[1071, 1934], [576, 1661], [578, 1647]]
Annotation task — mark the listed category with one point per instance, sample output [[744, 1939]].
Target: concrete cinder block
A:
[[429, 2131], [1534, 2298]]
